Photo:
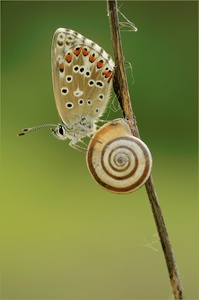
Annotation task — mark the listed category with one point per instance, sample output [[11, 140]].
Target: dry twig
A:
[[121, 90]]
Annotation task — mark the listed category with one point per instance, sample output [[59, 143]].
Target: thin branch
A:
[[121, 89]]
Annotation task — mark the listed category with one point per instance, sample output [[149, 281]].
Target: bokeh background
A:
[[63, 236]]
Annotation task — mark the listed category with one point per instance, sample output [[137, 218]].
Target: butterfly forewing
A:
[[82, 73]]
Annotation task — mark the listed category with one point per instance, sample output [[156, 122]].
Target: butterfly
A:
[[82, 75]]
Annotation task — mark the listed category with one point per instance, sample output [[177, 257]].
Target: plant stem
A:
[[121, 89]]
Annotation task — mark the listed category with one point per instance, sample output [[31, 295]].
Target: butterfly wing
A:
[[82, 73]]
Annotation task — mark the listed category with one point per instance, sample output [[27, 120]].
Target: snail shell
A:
[[118, 161]]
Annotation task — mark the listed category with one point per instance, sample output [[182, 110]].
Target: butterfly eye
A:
[[61, 130]]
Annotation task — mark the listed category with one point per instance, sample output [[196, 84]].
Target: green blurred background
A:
[[63, 236]]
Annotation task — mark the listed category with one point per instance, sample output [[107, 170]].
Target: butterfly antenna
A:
[[28, 130]]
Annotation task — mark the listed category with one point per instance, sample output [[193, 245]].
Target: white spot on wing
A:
[[78, 93]]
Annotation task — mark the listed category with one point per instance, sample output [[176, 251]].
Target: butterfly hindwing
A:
[[82, 73]]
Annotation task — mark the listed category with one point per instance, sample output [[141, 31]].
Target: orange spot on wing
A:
[[92, 58], [85, 52], [107, 74], [77, 51], [100, 64], [68, 57], [61, 67], [110, 77]]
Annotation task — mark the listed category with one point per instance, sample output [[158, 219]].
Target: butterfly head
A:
[[61, 132]]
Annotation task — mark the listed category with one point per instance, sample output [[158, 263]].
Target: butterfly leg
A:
[[73, 144]]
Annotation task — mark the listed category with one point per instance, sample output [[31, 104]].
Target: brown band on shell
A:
[[104, 166]]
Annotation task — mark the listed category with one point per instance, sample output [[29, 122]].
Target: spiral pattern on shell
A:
[[118, 161]]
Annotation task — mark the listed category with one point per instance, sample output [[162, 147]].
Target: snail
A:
[[120, 162]]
